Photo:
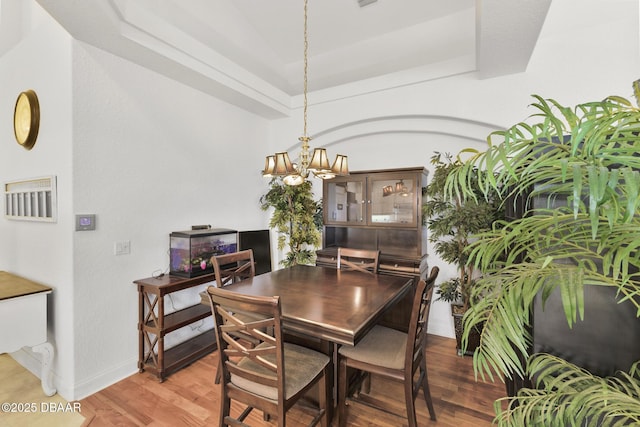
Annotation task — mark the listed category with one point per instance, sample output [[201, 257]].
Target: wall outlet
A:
[[122, 248]]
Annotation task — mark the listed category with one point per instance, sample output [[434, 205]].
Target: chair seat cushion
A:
[[301, 366], [380, 347]]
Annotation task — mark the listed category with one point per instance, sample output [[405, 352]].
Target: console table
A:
[[154, 325], [23, 321]]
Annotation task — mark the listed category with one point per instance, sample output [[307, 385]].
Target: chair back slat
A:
[[250, 332], [364, 260], [417, 334], [233, 267]]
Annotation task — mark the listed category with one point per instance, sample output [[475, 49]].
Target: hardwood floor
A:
[[28, 405], [189, 397]]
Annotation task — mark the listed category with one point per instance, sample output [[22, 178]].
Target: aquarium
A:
[[190, 251]]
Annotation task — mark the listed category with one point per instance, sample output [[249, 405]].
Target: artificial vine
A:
[[296, 217]]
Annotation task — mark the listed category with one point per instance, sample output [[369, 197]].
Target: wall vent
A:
[[31, 199]]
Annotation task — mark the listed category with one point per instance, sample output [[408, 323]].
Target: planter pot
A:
[[474, 336]]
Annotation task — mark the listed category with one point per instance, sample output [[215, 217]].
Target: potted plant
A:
[[297, 217], [453, 222], [589, 153]]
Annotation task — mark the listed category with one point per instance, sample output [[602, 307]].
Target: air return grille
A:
[[31, 199]]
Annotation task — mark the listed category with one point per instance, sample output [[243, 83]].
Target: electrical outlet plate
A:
[[122, 247]]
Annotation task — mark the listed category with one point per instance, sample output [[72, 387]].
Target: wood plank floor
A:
[[20, 387], [189, 397]]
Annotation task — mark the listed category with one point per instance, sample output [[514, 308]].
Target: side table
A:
[[154, 325], [23, 321]]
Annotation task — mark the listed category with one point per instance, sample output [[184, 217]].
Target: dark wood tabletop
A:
[[325, 303]]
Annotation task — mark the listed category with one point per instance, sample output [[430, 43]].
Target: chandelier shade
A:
[[269, 166], [282, 164], [340, 165], [319, 161], [296, 173]]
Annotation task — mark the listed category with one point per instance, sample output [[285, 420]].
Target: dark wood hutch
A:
[[378, 209]]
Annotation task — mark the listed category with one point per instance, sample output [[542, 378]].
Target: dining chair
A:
[[381, 352], [233, 267], [272, 376], [363, 260]]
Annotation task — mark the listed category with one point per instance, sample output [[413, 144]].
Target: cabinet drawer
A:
[[326, 260], [400, 267]]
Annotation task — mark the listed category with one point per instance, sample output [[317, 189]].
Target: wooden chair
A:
[[363, 260], [271, 376], [233, 267], [378, 353]]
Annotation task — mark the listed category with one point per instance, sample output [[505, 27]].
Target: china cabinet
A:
[[385, 199], [378, 209]]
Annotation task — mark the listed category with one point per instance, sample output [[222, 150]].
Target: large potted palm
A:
[[585, 161], [452, 223]]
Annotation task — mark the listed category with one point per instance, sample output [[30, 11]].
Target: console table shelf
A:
[[183, 354], [154, 325], [179, 319]]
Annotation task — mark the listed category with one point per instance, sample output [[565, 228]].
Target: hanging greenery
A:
[[296, 217]]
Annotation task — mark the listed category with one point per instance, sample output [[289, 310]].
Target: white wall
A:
[[150, 156], [41, 60], [587, 51]]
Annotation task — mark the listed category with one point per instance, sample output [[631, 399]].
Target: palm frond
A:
[[569, 395], [580, 169]]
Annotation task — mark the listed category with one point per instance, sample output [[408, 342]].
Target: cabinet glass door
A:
[[344, 201], [393, 200]]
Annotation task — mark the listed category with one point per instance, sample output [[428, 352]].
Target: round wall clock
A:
[[26, 119]]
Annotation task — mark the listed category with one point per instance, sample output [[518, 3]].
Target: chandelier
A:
[[280, 164]]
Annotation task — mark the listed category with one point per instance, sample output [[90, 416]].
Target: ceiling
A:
[[249, 52]]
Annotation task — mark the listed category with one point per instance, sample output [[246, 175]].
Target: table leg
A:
[[46, 349], [330, 349], [160, 325], [140, 329]]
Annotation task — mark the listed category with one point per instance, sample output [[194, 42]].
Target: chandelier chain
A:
[[297, 173], [306, 49]]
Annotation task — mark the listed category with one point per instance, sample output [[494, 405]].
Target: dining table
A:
[[324, 307]]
